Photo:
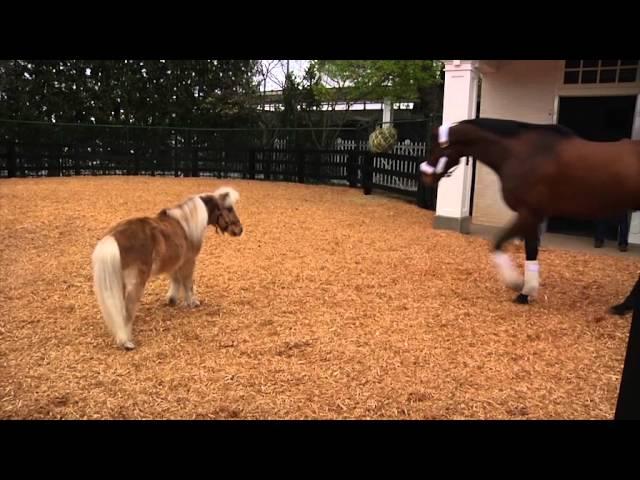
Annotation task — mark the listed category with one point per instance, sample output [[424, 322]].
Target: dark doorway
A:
[[599, 119]]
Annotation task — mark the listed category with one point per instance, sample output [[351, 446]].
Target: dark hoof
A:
[[172, 302], [623, 248], [620, 309], [522, 299], [598, 243]]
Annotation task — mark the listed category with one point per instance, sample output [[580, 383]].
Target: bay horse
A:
[[545, 170], [137, 249]]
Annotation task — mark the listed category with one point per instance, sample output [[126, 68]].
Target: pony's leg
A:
[[134, 283], [531, 269], [523, 225], [186, 278], [174, 290], [627, 304]]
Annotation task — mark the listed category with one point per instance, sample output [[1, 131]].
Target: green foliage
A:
[[202, 93], [312, 100], [354, 80]]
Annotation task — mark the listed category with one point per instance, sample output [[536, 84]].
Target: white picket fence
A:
[[407, 147], [408, 166], [414, 149]]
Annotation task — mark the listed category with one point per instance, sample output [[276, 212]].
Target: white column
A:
[[460, 96], [387, 112]]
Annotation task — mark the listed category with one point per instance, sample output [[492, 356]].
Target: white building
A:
[[581, 94]]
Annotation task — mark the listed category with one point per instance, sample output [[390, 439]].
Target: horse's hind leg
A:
[[134, 283], [628, 303]]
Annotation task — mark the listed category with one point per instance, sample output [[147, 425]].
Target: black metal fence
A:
[[285, 155]]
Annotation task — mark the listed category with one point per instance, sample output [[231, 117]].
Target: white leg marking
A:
[[531, 278], [507, 271]]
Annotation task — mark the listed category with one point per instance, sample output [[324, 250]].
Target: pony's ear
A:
[[224, 198]]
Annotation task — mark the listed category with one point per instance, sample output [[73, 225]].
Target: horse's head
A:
[[221, 209], [444, 157]]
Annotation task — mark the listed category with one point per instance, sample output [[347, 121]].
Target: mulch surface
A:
[[332, 305]]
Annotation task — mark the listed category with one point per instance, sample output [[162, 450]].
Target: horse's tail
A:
[[108, 286]]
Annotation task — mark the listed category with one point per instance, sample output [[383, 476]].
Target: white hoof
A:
[[194, 303], [128, 345]]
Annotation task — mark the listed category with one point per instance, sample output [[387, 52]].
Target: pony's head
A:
[[444, 156], [221, 210]]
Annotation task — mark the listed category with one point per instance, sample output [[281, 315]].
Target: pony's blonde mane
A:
[[192, 215], [232, 196]]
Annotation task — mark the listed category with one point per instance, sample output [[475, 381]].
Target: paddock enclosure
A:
[[331, 305]]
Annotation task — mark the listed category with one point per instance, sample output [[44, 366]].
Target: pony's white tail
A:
[[109, 288]]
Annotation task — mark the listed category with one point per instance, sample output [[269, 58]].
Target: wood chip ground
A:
[[332, 305]]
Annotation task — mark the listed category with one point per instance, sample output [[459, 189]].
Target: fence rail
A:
[[349, 163]]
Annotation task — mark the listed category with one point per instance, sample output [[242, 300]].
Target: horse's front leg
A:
[[174, 290], [186, 277], [531, 269], [523, 226]]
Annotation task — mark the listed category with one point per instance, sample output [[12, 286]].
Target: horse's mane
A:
[[231, 196], [512, 128], [192, 213]]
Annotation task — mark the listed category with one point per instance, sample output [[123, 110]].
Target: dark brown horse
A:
[[545, 171]]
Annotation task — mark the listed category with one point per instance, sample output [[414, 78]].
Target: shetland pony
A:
[[137, 249]]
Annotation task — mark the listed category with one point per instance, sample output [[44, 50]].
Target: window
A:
[[600, 71]]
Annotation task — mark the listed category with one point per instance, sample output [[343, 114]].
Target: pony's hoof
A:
[[172, 302], [128, 345], [194, 303], [521, 299], [621, 309]]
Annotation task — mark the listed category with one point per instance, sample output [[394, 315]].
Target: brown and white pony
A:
[[140, 248]]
